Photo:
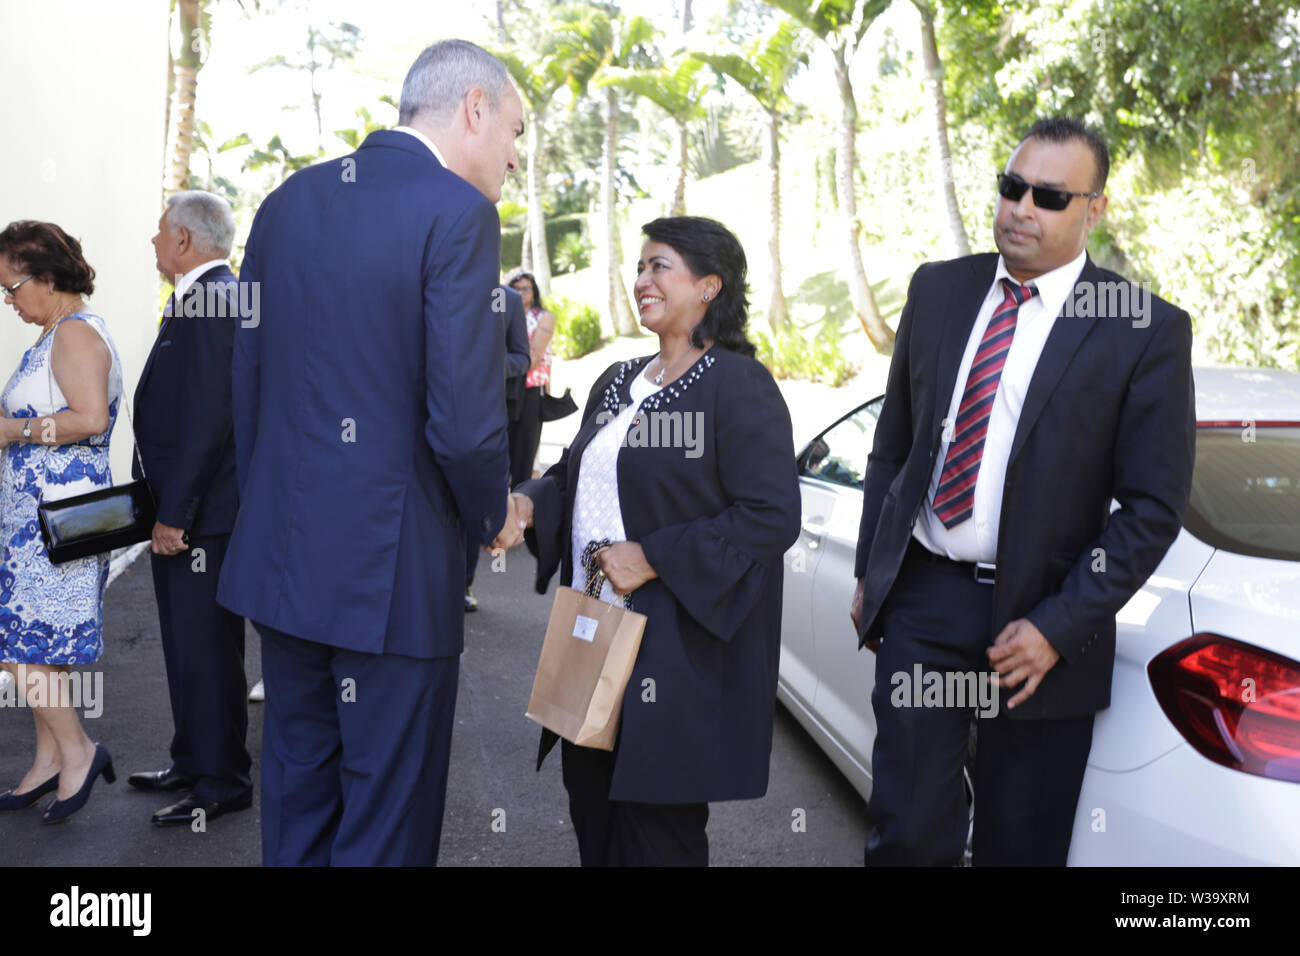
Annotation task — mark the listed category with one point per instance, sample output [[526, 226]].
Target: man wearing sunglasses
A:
[[1012, 418]]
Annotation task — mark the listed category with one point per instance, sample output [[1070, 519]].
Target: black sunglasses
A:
[[1011, 186]]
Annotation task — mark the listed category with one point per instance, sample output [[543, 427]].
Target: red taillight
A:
[[1236, 704]]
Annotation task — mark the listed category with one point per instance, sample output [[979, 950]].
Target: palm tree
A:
[[326, 48], [841, 25], [763, 71], [537, 78], [193, 22], [939, 150], [596, 38], [676, 90]]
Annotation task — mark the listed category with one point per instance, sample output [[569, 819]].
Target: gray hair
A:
[[441, 76], [209, 219]]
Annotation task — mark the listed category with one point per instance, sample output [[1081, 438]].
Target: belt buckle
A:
[[984, 573]]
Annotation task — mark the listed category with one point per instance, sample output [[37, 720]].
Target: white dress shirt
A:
[[976, 538], [184, 282], [423, 139]]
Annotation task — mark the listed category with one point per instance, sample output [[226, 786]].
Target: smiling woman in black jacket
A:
[[685, 461]]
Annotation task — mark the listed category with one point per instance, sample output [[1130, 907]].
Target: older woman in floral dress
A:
[[59, 407]]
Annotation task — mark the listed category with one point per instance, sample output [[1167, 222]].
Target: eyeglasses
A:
[[1011, 186], [11, 290]]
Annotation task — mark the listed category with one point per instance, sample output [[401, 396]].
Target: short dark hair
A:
[[709, 248], [49, 254], [518, 274], [1060, 129]]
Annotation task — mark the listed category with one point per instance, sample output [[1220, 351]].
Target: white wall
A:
[[81, 145]]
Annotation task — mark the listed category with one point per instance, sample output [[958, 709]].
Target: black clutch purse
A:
[[99, 520], [555, 408]]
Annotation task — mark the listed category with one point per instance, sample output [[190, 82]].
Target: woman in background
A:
[[526, 433], [59, 406]]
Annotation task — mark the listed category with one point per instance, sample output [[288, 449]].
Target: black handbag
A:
[[99, 520], [556, 408]]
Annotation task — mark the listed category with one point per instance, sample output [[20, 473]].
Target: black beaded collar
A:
[[611, 401]]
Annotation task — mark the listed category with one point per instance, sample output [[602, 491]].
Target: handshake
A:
[[519, 515]]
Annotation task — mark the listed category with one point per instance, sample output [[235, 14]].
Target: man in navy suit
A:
[[370, 434], [1027, 391], [186, 439]]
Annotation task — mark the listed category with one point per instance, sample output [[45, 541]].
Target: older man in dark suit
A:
[[186, 437], [370, 435], [1027, 391]]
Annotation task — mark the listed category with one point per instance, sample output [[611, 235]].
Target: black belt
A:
[[978, 570]]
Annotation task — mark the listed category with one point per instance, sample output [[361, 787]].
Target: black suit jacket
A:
[[518, 357], [1109, 413], [714, 517], [183, 418]]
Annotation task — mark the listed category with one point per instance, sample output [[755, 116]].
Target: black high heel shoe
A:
[[60, 810], [21, 801]]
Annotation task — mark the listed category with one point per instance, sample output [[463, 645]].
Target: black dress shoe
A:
[[167, 779], [182, 813]]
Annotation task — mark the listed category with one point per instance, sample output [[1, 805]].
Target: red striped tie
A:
[[955, 499]]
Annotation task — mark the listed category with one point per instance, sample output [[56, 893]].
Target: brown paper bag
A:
[[586, 662]]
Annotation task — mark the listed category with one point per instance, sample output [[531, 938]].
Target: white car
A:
[[1197, 759]]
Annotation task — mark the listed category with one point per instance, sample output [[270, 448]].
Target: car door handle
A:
[[814, 528]]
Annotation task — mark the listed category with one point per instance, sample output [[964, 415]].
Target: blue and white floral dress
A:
[[50, 613]]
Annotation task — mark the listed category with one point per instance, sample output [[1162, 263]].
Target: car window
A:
[[1246, 491], [839, 454]]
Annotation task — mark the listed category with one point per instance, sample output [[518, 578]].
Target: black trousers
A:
[[525, 436], [203, 647], [1027, 773], [620, 833]]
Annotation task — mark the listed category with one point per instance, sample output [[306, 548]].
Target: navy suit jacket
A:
[[1109, 414], [183, 410], [369, 400]]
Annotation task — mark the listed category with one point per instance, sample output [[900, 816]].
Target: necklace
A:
[[57, 320], [663, 369]]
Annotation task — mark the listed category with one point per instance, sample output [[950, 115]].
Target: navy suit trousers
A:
[[355, 751], [203, 647], [1027, 773]]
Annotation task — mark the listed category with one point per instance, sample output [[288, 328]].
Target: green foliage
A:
[[368, 124], [276, 155], [792, 354], [557, 229], [1199, 101], [577, 328], [572, 253], [674, 88], [764, 69], [725, 138]]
